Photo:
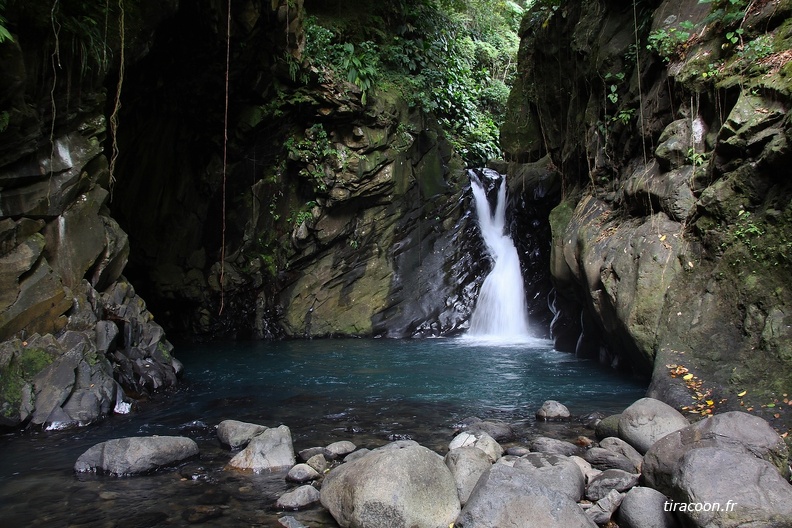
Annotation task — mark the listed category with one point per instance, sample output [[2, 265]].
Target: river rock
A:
[[588, 471], [748, 490], [357, 454], [648, 420], [392, 488], [302, 473], [507, 497], [236, 434], [619, 446], [467, 464], [131, 456], [603, 459], [602, 511], [480, 440], [298, 498], [339, 449], [731, 431], [607, 427], [500, 431], [272, 450], [645, 508], [318, 462], [552, 410], [553, 446], [557, 473], [610, 479]]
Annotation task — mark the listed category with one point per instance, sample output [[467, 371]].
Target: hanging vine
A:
[[117, 104], [225, 160], [55, 61]]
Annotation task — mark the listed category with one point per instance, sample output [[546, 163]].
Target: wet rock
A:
[[395, 487], [302, 473], [236, 434], [271, 450], [290, 522], [506, 496], [608, 427], [552, 410], [645, 508], [467, 464], [339, 449], [553, 446], [305, 454], [298, 498], [610, 479], [499, 431], [646, 421], [130, 456], [201, 514], [480, 440]]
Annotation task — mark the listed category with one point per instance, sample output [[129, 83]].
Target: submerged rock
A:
[[235, 434], [552, 410], [131, 456]]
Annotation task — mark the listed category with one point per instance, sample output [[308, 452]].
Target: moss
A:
[[19, 371]]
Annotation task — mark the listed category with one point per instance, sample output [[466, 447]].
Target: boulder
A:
[[603, 459], [298, 498], [131, 456], [730, 489], [467, 464], [272, 450], [602, 511], [481, 440], [619, 446], [645, 508], [392, 488], [731, 431], [318, 462], [646, 421], [608, 426], [507, 497], [553, 446], [302, 473], [339, 449], [588, 471], [558, 473], [610, 479], [499, 431], [552, 410], [236, 434]]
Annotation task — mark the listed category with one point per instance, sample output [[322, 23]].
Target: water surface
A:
[[366, 391]]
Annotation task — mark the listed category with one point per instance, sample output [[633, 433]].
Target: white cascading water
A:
[[500, 311]]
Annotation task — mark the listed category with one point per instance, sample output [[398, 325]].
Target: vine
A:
[[225, 161], [117, 105]]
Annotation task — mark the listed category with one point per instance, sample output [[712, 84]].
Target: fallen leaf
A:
[[710, 402], [687, 376], [743, 393]]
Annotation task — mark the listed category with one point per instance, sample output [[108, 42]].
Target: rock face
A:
[[74, 336], [670, 251], [393, 488], [131, 456]]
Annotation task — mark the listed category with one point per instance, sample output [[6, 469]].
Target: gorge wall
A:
[[669, 126]]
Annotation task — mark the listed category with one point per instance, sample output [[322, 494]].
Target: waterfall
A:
[[500, 310]]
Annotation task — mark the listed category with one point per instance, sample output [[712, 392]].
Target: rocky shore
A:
[[645, 467]]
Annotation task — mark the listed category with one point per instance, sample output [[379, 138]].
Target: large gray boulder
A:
[[480, 440], [732, 431], [407, 487], [272, 450], [558, 473], [131, 456], [298, 498], [235, 434], [467, 464], [645, 508], [554, 446], [507, 497], [648, 420], [729, 489]]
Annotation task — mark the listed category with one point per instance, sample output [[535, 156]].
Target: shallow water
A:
[[366, 391]]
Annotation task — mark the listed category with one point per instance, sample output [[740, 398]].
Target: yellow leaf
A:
[[687, 377], [662, 237], [743, 393], [710, 402]]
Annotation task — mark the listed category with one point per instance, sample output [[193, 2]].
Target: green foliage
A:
[[453, 58], [670, 43], [725, 12], [313, 151], [696, 159], [5, 118], [305, 214]]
